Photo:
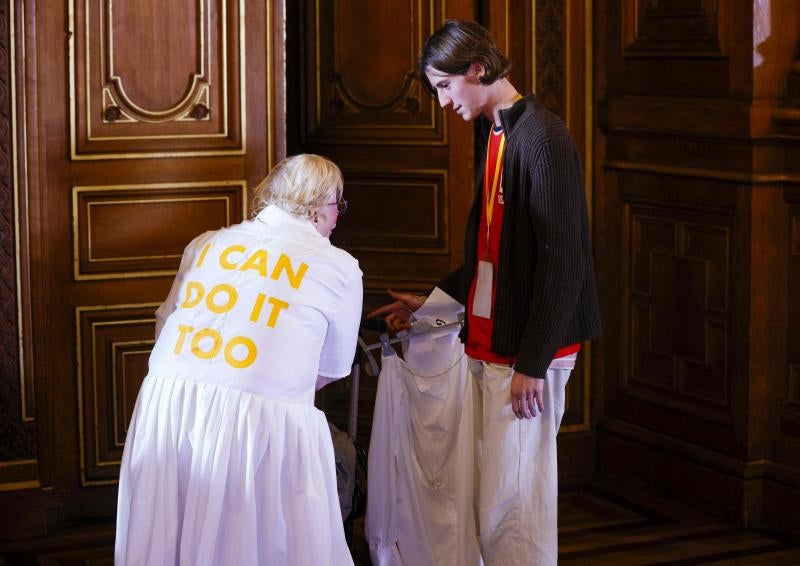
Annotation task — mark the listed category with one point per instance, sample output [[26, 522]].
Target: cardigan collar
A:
[[510, 116]]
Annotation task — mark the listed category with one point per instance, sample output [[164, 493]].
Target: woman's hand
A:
[[399, 312]]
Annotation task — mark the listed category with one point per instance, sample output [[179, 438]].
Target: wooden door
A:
[[134, 126], [408, 165]]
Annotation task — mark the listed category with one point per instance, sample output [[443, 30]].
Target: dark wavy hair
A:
[[455, 46]]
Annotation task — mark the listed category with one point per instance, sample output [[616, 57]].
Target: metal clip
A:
[[386, 349]]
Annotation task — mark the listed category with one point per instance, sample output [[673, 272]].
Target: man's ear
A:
[[476, 69]]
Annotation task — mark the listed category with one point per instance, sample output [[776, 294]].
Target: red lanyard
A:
[[490, 195]]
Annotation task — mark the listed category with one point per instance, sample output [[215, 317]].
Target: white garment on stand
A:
[[421, 486]]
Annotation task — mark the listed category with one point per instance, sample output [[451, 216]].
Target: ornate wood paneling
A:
[[104, 107], [193, 52], [678, 338], [674, 323], [695, 168], [365, 109], [668, 28], [577, 400], [549, 43], [412, 216], [361, 87], [118, 231], [549, 52], [672, 47], [113, 346], [793, 396], [18, 442], [791, 420]]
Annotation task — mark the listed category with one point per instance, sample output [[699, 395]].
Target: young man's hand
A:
[[399, 312], [526, 395]]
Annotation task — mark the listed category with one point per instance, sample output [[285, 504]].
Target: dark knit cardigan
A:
[[546, 294]]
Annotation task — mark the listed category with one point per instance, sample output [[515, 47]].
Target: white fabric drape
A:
[[221, 476], [421, 485]]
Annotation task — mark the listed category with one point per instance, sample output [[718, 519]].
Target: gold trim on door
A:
[[79, 340], [242, 150], [78, 190]]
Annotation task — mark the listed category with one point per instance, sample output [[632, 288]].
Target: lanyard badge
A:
[[491, 194], [482, 302]]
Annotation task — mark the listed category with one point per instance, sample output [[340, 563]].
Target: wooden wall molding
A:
[[692, 455], [750, 493], [773, 179], [713, 118], [787, 117], [663, 443], [355, 97], [793, 388], [678, 307], [549, 40], [676, 327], [199, 109], [18, 442], [46, 475], [696, 122], [413, 216], [117, 230], [113, 346], [790, 421], [671, 28]]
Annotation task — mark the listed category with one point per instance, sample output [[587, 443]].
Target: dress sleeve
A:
[[339, 348]]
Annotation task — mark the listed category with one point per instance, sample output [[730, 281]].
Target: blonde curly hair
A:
[[300, 185]]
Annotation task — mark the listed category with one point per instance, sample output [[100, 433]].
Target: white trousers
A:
[[518, 468]]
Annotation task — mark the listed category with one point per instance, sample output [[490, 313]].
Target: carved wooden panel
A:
[[113, 346], [156, 78], [793, 395], [360, 80], [119, 231], [577, 400], [549, 51], [670, 27], [793, 385], [411, 216], [678, 332], [18, 446]]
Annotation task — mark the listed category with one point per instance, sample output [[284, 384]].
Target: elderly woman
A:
[[227, 461]]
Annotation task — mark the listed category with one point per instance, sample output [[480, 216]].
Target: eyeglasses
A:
[[341, 206]]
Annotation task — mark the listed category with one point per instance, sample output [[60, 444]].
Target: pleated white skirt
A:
[[213, 475]]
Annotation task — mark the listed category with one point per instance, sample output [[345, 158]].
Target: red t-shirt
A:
[[479, 335]]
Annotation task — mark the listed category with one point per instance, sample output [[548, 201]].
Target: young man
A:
[[527, 282]]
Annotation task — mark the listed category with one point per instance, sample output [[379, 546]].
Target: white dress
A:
[[227, 461]]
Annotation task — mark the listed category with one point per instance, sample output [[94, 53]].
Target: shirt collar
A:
[[273, 214]]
